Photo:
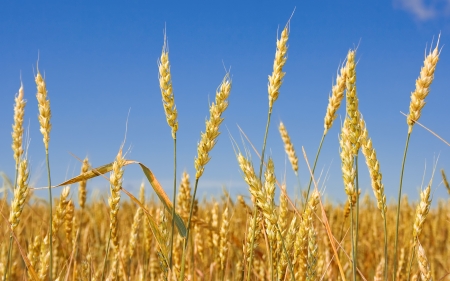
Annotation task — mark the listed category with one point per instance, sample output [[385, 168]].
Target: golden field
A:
[[177, 237]]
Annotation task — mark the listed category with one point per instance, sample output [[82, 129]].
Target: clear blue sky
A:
[[100, 62]]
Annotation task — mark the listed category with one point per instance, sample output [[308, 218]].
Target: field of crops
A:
[[174, 236]]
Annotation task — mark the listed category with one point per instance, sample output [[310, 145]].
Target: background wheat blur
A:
[[256, 237]]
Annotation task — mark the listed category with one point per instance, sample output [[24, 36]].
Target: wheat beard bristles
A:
[[352, 102], [288, 147], [44, 109], [421, 213], [17, 133], [334, 101], [20, 194], [165, 83], [209, 137], [422, 90], [374, 168], [115, 186], [347, 156], [276, 79], [82, 187]]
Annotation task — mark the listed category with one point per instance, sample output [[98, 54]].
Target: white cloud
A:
[[424, 10]]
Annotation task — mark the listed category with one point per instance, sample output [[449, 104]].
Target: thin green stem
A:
[[398, 205], [51, 215], [353, 243], [314, 167], [174, 198], [183, 258], [8, 263], [106, 256], [269, 114]]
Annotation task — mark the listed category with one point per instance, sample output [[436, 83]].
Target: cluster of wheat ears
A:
[[184, 239]]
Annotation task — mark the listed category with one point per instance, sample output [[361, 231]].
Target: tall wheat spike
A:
[[423, 84]]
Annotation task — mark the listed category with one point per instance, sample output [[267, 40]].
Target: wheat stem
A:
[[398, 204]]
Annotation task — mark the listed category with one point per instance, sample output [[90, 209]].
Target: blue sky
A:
[[100, 64]]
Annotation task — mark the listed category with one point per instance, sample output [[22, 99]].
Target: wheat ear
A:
[[20, 194], [421, 213], [165, 83], [288, 147], [379, 271], [334, 101], [374, 168], [44, 109], [184, 196], [290, 236], [276, 79], [349, 175], [424, 265], [423, 84], [223, 248], [347, 157], [115, 180], [209, 137], [313, 255], [82, 185], [376, 177], [445, 181], [352, 102], [17, 133], [69, 218], [115, 184]]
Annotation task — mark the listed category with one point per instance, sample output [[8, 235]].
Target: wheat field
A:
[[175, 236]]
